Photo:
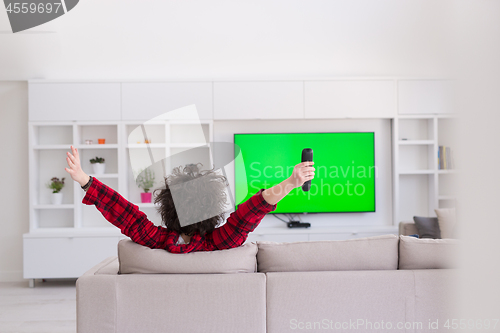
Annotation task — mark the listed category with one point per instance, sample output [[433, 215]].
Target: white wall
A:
[[127, 39], [224, 131], [14, 196]]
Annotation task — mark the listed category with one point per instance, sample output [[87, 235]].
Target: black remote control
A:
[[307, 155]]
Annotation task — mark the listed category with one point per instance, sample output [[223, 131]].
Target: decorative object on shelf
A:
[[98, 165], [56, 186], [88, 142], [146, 180], [147, 140], [101, 141], [445, 158]]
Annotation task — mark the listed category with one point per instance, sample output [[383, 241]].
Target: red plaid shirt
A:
[[135, 224]]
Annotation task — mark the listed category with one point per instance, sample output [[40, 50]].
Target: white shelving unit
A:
[[419, 185]]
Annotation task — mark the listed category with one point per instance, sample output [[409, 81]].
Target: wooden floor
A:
[[50, 307]]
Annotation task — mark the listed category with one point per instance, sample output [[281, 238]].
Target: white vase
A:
[[99, 168], [57, 198]]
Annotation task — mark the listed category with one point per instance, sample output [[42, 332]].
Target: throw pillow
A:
[[446, 220], [428, 227]]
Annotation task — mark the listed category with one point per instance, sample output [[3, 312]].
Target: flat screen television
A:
[[345, 170]]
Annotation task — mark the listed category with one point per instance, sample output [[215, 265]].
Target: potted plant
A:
[[146, 180], [56, 186], [98, 165]]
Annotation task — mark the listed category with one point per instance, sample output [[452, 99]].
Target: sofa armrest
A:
[[93, 289], [407, 228], [106, 262]]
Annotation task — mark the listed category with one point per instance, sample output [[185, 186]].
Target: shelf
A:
[[146, 145], [146, 205], [189, 145], [105, 175], [416, 172], [50, 206], [39, 147], [447, 171], [416, 142], [97, 146]]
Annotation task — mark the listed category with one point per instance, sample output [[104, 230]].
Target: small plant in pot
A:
[[56, 186], [98, 165], [146, 180]]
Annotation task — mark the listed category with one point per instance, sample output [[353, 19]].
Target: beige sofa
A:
[[346, 285], [407, 228]]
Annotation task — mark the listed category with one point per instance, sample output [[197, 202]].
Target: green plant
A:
[[56, 185], [97, 160], [146, 179]]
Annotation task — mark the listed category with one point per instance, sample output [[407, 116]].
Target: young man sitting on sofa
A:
[[209, 191]]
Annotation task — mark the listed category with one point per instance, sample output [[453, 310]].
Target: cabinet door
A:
[[74, 101], [259, 100], [144, 101], [350, 99], [65, 257], [424, 96]]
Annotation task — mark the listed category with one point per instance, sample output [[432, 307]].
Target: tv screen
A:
[[345, 173]]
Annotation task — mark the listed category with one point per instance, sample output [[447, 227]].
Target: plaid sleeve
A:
[[241, 222], [124, 215]]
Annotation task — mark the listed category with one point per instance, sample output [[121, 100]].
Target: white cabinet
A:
[[259, 100], [350, 99], [74, 101], [64, 257], [146, 100], [424, 96]]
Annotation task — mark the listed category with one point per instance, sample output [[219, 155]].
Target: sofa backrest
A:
[[369, 253], [407, 228], [427, 253], [135, 258]]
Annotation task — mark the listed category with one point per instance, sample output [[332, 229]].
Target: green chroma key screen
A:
[[345, 173]]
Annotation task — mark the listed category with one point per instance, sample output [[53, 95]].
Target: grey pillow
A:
[[428, 227], [138, 259]]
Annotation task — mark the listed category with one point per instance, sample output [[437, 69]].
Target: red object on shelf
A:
[[146, 197], [101, 141]]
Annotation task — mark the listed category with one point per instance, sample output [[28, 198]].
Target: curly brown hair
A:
[[204, 197]]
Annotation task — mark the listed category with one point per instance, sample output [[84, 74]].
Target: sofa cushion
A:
[[428, 227], [135, 258], [369, 253], [426, 253], [447, 220]]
